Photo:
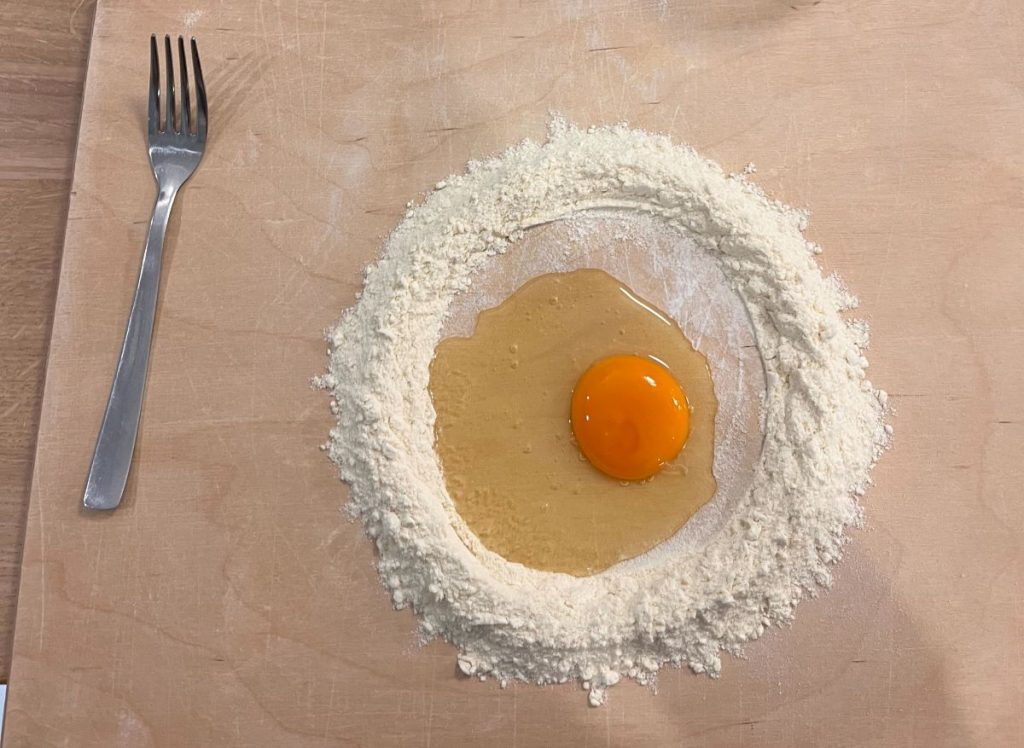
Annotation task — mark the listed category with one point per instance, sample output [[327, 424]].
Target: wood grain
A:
[[43, 47], [229, 601]]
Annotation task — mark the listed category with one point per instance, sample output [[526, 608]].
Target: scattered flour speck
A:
[[191, 18]]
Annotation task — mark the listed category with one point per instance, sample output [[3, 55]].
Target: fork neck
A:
[[165, 196], [158, 224], [170, 176]]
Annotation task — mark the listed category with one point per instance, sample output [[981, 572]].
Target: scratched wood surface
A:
[[43, 48], [229, 602]]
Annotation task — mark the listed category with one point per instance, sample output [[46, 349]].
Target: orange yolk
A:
[[629, 416]]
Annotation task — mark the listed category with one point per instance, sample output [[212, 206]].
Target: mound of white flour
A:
[[824, 423]]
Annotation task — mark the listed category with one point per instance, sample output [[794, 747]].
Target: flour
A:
[[191, 18], [823, 422]]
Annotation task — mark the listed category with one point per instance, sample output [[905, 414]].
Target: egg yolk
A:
[[629, 416]]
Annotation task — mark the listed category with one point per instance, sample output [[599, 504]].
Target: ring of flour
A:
[[824, 423]]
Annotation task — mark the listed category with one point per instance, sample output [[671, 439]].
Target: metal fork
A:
[[175, 149]]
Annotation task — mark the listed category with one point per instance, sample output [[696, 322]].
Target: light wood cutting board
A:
[[229, 602]]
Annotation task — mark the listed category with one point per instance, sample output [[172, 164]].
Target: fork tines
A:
[[164, 115]]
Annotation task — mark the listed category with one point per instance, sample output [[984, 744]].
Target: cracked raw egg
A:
[[574, 426]]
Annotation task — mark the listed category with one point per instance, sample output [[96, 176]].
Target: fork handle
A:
[[115, 444]]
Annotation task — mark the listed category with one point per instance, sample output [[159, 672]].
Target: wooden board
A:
[[229, 602], [43, 49]]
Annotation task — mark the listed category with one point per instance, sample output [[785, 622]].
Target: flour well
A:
[[771, 544]]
